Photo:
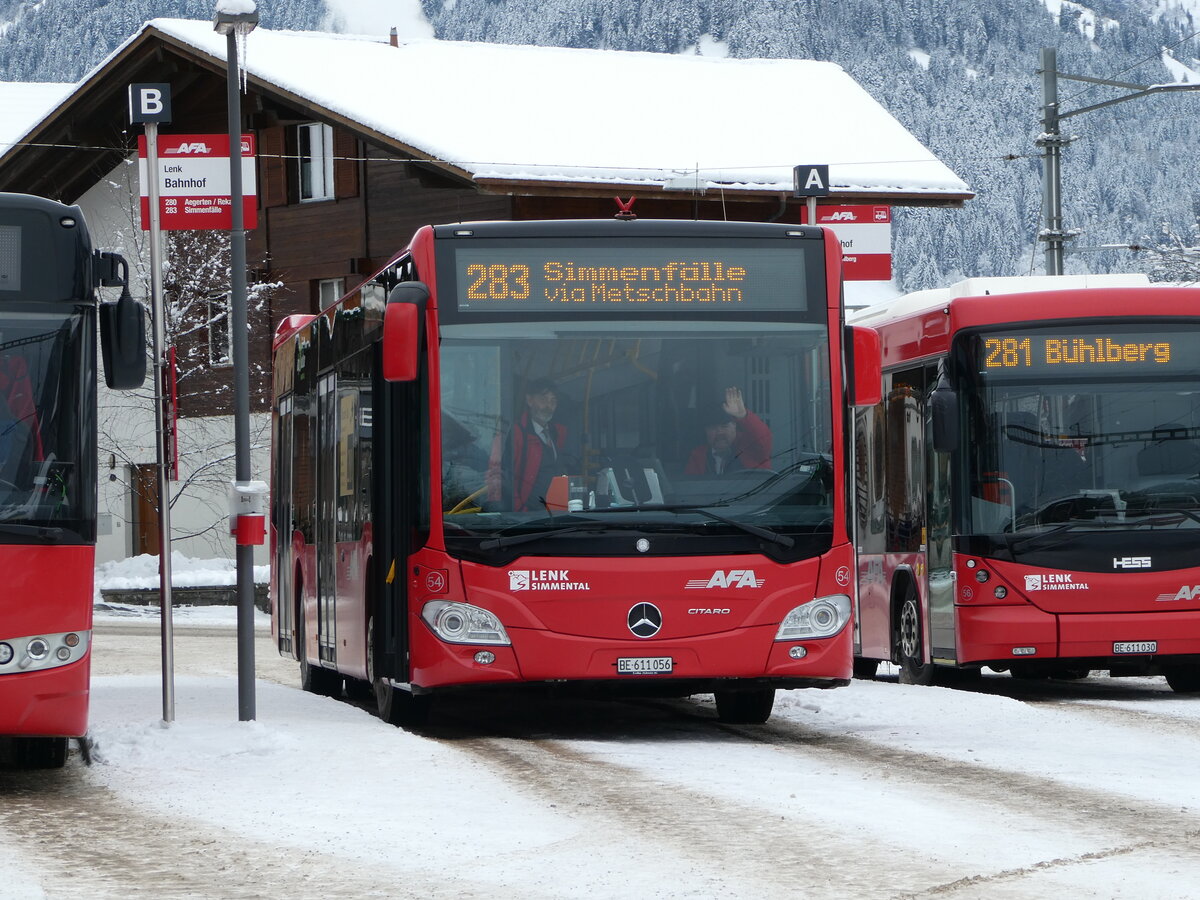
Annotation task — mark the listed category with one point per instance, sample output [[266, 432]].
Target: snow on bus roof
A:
[[527, 113], [922, 301]]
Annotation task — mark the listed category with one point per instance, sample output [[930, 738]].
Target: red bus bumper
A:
[[49, 703], [547, 656], [990, 633]]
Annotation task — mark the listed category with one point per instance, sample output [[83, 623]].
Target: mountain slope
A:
[[960, 74]]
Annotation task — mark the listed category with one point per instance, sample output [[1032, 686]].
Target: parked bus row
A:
[[636, 456]]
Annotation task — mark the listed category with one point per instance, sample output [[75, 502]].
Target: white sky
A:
[[1012, 798], [377, 17]]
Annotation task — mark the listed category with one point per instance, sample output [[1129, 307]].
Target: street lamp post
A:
[[235, 18]]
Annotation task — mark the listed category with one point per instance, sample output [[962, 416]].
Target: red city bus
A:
[[1028, 489], [489, 466], [48, 372]]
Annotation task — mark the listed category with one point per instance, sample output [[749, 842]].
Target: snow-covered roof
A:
[[501, 112], [25, 103]]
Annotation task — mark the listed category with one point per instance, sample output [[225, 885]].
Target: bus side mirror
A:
[[402, 326], [123, 343], [943, 408], [866, 361]]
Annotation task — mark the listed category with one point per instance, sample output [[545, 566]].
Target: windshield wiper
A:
[[1164, 511], [45, 532], [757, 530], [511, 540]]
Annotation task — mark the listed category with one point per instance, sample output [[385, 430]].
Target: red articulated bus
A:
[[48, 373], [491, 466], [1028, 489]]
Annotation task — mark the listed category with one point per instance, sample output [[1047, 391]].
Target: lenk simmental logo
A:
[[733, 578], [544, 580], [1055, 582]]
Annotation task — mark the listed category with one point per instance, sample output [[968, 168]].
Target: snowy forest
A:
[[960, 74]]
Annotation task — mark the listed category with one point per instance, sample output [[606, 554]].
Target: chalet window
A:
[[315, 149], [220, 335], [329, 291]]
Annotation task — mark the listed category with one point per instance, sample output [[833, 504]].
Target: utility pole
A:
[[1052, 141]]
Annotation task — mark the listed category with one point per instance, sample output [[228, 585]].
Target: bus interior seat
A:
[[631, 478]]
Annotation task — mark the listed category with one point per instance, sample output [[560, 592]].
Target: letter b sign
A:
[[149, 103]]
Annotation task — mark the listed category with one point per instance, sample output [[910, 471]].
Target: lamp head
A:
[[235, 17]]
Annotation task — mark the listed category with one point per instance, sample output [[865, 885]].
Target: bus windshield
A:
[[718, 434], [1082, 428], [43, 421]]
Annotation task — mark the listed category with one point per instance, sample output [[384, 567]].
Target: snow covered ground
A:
[[1007, 790]]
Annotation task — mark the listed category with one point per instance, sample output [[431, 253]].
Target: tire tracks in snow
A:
[[726, 839], [726, 848], [77, 839], [1138, 826]]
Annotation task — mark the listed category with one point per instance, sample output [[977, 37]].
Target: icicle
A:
[[243, 77]]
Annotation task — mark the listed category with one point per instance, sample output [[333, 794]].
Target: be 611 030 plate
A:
[[1122, 647]]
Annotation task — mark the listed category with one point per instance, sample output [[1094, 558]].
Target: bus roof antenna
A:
[[625, 208]]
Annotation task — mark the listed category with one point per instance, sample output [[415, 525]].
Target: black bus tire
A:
[[910, 643]]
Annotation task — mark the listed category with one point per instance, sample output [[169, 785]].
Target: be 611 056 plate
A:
[[645, 665]]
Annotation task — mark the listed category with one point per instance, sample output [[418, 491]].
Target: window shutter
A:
[[345, 164], [272, 167]]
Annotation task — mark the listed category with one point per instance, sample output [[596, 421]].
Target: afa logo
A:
[[1184, 593], [733, 578], [188, 148]]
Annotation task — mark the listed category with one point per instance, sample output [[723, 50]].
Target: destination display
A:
[[1089, 350], [603, 277]]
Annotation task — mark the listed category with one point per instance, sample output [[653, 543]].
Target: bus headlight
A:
[[6, 654], [823, 617], [462, 623]]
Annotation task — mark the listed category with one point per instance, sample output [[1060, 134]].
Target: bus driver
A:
[[534, 451]]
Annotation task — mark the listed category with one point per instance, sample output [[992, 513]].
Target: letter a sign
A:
[[811, 181]]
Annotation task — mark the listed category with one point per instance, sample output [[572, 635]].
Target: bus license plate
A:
[[1135, 647], [644, 665]]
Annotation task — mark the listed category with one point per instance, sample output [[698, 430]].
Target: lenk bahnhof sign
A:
[[193, 178]]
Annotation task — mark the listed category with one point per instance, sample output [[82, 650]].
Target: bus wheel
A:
[[1184, 679], [395, 706], [751, 707], [865, 669], [40, 752], [911, 643]]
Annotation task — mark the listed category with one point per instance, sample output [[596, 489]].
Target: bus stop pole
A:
[[162, 438], [241, 376]]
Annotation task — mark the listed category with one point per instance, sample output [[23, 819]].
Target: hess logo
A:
[[1131, 562]]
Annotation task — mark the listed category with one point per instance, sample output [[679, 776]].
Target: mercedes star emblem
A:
[[645, 620]]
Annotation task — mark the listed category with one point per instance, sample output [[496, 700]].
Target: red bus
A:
[[428, 537], [1028, 489], [48, 373]]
